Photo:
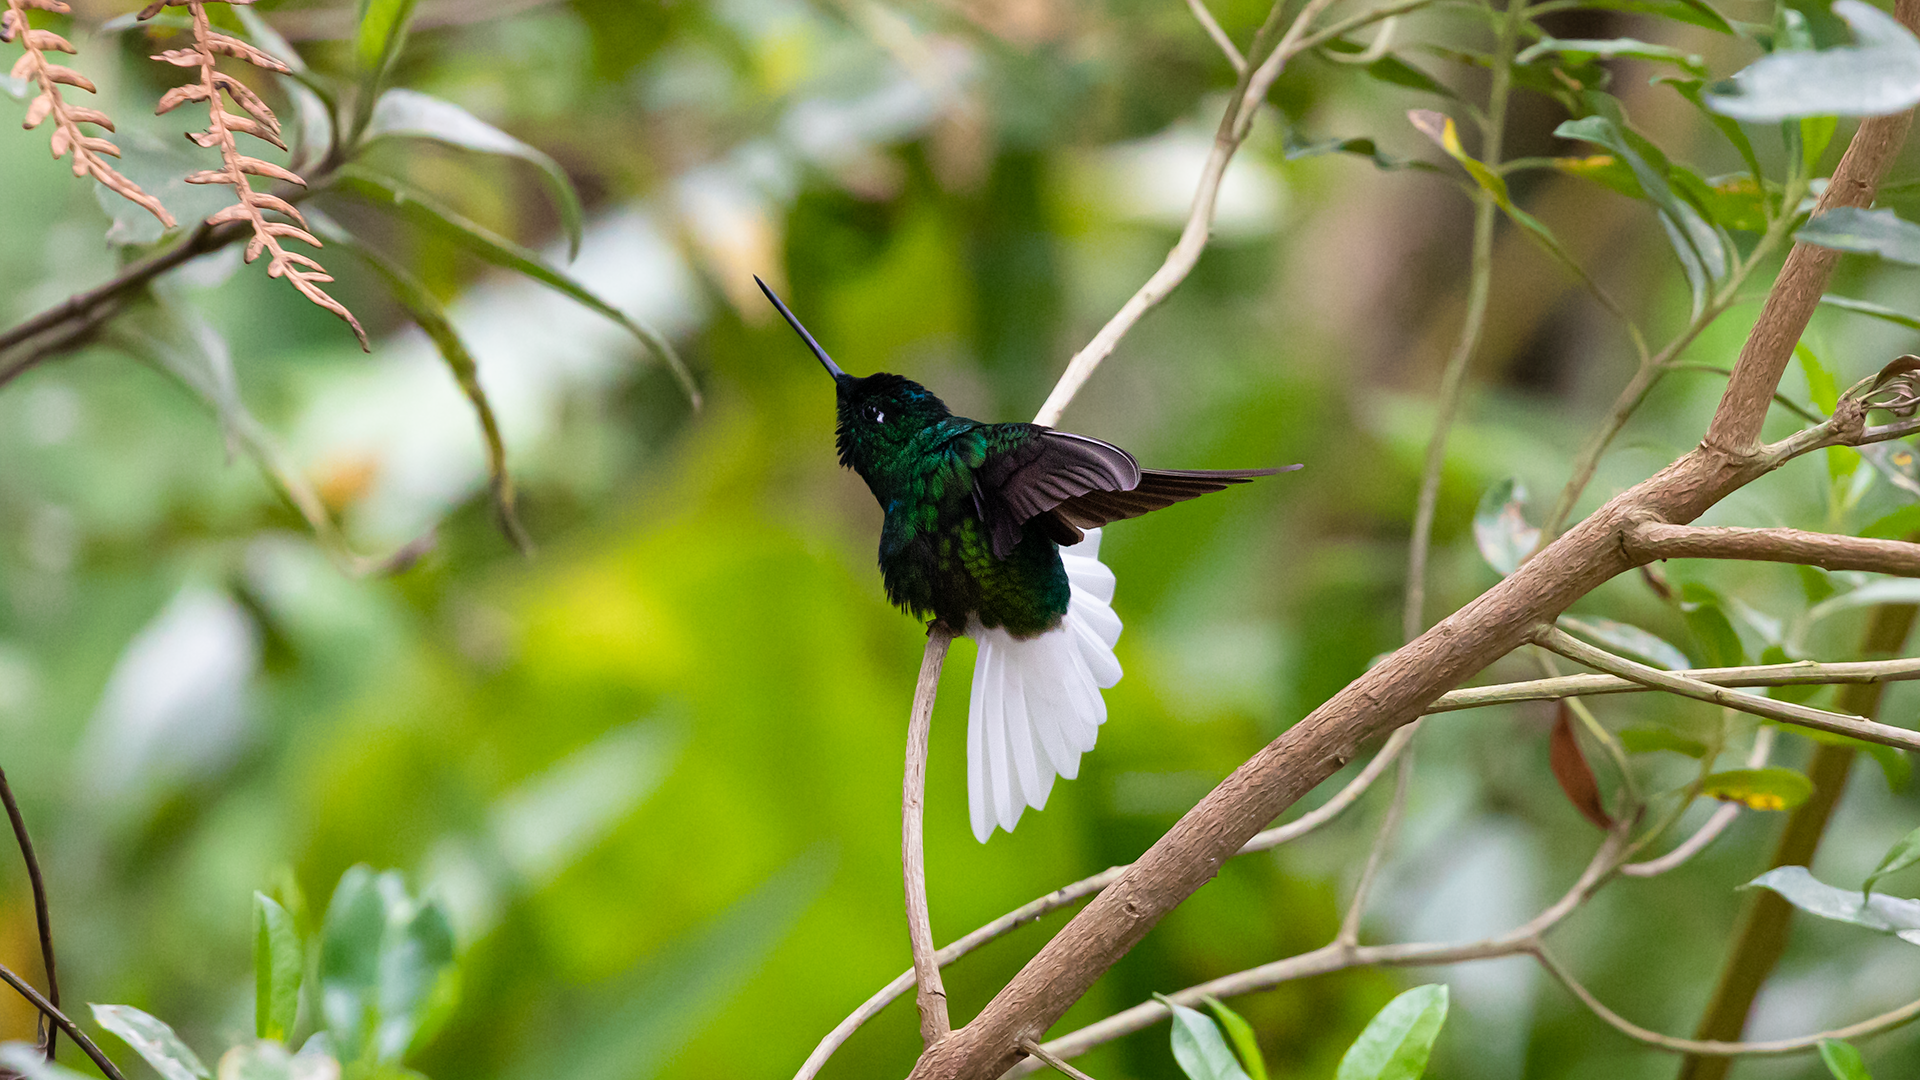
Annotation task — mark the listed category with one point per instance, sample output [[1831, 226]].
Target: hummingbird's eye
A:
[[875, 415]]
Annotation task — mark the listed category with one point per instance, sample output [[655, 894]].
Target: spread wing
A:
[[1072, 483]]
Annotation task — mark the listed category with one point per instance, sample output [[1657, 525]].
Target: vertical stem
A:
[[1453, 379], [932, 994], [1762, 934], [42, 915]]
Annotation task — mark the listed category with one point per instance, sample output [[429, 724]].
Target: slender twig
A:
[[1219, 36], [932, 998], [1716, 822], [1799, 673], [1785, 712], [1773, 1048], [42, 913], [60, 1019], [1453, 377], [1389, 824], [1651, 541], [1042, 1054]]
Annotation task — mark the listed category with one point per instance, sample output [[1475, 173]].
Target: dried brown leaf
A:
[[179, 57], [47, 39], [236, 212], [280, 228], [305, 282], [66, 76], [1570, 768], [55, 6], [6, 25], [179, 96], [256, 167], [38, 110], [99, 145], [246, 125], [23, 68], [80, 114], [232, 46], [243, 96], [62, 138], [209, 176], [267, 201]]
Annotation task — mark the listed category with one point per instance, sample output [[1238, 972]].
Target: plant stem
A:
[[932, 996], [42, 915]]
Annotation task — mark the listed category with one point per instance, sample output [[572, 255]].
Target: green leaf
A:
[[1864, 232], [1894, 766], [153, 1040], [349, 967], [1706, 616], [1867, 307], [427, 312], [1771, 788], [1843, 1061], [1399, 1039], [279, 961], [1873, 911], [422, 209], [1872, 594], [386, 967], [409, 114], [269, 1060], [1821, 385], [381, 32], [1898, 858], [1199, 1048], [1880, 74], [1697, 12], [1631, 640], [1816, 132], [1729, 128], [1703, 250], [1240, 1033], [1500, 526], [27, 1060], [1580, 51], [1898, 525], [1647, 739]]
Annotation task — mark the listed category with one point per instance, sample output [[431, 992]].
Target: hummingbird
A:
[[994, 531]]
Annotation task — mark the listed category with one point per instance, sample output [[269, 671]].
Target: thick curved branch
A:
[[932, 998], [1399, 688], [1651, 541]]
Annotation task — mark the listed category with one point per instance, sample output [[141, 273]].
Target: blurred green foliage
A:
[[650, 775]]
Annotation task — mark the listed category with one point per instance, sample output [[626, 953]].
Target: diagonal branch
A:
[[1651, 541], [42, 914], [63, 1022]]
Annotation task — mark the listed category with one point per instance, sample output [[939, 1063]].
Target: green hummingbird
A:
[[994, 531]]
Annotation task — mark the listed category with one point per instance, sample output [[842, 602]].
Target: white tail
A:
[[1036, 703]]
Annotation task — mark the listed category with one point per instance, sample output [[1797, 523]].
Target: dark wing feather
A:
[[1040, 470], [1157, 488]]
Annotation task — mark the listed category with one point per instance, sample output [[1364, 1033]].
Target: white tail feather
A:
[[1036, 704]]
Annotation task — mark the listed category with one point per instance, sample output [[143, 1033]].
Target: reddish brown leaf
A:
[[1571, 769]]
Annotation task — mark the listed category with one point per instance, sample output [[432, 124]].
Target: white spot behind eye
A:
[[879, 417]]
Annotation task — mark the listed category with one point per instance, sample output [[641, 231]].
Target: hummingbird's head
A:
[[879, 414]]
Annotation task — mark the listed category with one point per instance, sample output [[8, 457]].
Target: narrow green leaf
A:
[[381, 32], [1580, 51], [1873, 911], [279, 961], [1706, 616], [1872, 594], [1864, 232], [1867, 307], [1199, 1048], [1843, 1061], [1500, 526], [1816, 132], [1399, 1039], [1240, 1033], [1880, 74], [1697, 12], [1771, 788], [349, 967], [416, 970], [422, 209], [1646, 740], [409, 114], [431, 317], [153, 1040], [1898, 858], [1703, 250], [1631, 640]]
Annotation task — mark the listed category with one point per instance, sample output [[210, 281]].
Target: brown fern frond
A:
[[89, 151], [216, 89]]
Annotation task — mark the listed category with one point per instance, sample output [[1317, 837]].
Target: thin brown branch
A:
[[932, 996], [63, 1022], [1715, 824], [1389, 824], [1219, 36], [1052, 1061], [1399, 688], [1651, 541], [1785, 712], [1798, 673], [89, 152], [216, 89], [42, 914]]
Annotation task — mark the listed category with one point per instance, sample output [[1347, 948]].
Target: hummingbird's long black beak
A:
[[833, 369]]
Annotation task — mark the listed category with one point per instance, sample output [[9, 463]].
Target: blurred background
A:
[[653, 770]]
